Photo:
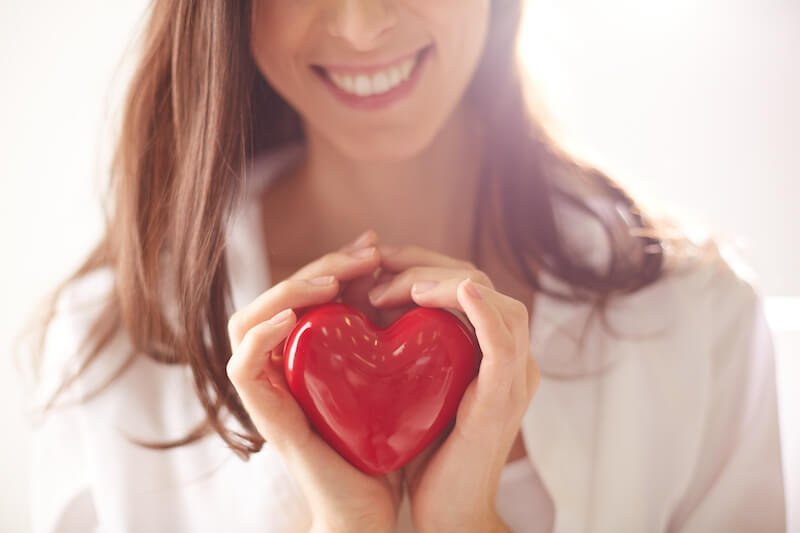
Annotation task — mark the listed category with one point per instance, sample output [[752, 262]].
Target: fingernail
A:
[[423, 286], [470, 288], [283, 316], [361, 253], [322, 280], [387, 249], [362, 240], [377, 291]]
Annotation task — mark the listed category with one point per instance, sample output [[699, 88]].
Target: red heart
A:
[[379, 396]]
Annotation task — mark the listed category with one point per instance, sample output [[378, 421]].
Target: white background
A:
[[693, 105]]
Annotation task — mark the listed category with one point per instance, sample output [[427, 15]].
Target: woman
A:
[[258, 137]]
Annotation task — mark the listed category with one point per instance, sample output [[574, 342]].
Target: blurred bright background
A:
[[692, 105]]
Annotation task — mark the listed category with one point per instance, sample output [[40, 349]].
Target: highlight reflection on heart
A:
[[379, 396]]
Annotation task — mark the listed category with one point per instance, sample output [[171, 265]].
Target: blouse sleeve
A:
[[61, 498], [737, 483]]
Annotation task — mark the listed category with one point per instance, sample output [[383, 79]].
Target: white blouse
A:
[[679, 433]]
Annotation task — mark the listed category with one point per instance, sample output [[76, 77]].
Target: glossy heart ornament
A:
[[379, 396]]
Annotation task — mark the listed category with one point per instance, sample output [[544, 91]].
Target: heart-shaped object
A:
[[379, 396]]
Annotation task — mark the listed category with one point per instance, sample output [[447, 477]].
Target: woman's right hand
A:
[[341, 497]]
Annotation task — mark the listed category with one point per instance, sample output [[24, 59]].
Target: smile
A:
[[375, 86]]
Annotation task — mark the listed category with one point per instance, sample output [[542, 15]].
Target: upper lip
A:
[[368, 68]]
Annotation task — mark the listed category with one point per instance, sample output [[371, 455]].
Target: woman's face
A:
[[376, 78]]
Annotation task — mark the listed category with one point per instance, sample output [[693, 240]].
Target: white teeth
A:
[[395, 76], [348, 83], [380, 82], [363, 86], [377, 83], [406, 67]]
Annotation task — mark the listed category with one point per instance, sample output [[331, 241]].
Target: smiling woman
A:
[[260, 137], [426, 52]]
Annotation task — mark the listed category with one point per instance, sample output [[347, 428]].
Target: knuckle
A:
[[479, 276], [406, 278], [283, 293], [503, 346], [469, 265], [410, 274], [508, 345], [328, 261], [334, 262], [283, 289], [254, 338], [519, 311], [235, 325], [232, 368]]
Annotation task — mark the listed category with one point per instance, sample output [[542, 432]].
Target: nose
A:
[[361, 22]]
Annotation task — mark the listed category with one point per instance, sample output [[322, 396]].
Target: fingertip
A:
[[323, 281], [466, 290], [419, 297], [421, 287], [367, 238]]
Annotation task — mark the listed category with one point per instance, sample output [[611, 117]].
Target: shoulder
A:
[[68, 337], [705, 289], [702, 323], [711, 270], [705, 275]]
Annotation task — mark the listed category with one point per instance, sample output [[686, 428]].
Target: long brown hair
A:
[[187, 136]]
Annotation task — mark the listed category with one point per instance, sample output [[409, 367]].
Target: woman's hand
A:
[[453, 487], [341, 497]]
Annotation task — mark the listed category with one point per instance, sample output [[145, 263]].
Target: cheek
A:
[[461, 26], [277, 38], [286, 34]]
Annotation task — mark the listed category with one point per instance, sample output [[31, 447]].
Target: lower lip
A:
[[384, 100]]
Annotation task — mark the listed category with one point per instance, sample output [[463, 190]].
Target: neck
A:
[[427, 200]]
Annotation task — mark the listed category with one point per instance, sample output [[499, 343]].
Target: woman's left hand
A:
[[453, 487]]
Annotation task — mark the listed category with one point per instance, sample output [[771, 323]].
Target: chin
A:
[[394, 147]]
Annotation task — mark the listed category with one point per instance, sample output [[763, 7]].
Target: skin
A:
[[394, 170], [409, 174]]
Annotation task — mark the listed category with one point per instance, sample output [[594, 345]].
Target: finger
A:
[[396, 259], [368, 238], [343, 265], [339, 263], [287, 293], [398, 289], [485, 312], [298, 290], [383, 276], [513, 312], [266, 399], [501, 378], [250, 357]]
